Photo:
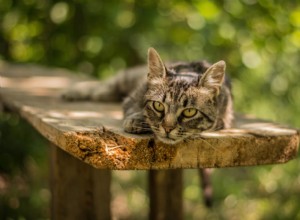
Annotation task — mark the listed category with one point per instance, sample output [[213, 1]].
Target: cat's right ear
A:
[[156, 67], [213, 78]]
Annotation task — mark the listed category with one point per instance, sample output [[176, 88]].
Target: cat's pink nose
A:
[[168, 129]]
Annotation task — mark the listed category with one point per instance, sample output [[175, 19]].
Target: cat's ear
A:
[[156, 67], [213, 78]]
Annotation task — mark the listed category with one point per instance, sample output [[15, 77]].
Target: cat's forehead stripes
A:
[[184, 100], [176, 89]]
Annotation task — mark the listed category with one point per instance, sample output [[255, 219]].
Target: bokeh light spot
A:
[[251, 59], [125, 19], [295, 17], [59, 12], [195, 21], [208, 9], [279, 85], [295, 38], [227, 31]]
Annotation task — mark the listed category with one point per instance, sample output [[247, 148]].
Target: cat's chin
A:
[[170, 141]]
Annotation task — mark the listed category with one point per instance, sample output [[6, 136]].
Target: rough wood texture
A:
[[93, 133], [80, 192]]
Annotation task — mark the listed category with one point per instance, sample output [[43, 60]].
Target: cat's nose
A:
[[169, 122], [168, 129]]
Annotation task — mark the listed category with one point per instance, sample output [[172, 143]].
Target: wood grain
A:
[[92, 132]]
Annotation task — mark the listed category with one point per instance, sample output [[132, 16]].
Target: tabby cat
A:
[[179, 101], [175, 103]]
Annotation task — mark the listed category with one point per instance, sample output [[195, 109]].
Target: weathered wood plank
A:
[[93, 133]]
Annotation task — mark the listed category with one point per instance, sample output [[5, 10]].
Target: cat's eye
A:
[[190, 112], [158, 106]]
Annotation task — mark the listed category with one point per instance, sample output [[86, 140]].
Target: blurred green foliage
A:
[[24, 189], [259, 40]]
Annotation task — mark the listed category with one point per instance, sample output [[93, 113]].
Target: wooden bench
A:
[[86, 135]]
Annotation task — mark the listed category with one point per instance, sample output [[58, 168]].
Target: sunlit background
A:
[[258, 39]]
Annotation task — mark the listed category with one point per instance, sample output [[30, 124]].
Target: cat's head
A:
[[180, 105]]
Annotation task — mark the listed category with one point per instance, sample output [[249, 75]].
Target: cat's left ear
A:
[[156, 67], [213, 78]]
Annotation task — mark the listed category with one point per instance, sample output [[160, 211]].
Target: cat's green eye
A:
[[158, 106], [190, 112]]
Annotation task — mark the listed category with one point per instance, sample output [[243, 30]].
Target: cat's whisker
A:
[[138, 126], [142, 128], [203, 139], [193, 135], [223, 141], [215, 129]]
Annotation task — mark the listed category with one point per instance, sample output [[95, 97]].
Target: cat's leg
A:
[[107, 92], [79, 91], [135, 123], [92, 90], [206, 186], [111, 90]]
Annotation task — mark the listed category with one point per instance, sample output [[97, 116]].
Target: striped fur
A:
[[195, 86]]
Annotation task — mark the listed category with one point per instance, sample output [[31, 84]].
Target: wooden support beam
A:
[[79, 191], [165, 192]]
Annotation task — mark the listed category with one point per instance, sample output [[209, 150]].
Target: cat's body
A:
[[176, 93], [175, 103]]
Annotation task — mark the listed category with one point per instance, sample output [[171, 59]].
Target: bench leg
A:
[[165, 189], [79, 191]]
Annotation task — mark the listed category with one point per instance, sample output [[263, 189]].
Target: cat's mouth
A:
[[169, 140]]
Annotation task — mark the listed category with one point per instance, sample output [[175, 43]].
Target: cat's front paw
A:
[[136, 126]]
